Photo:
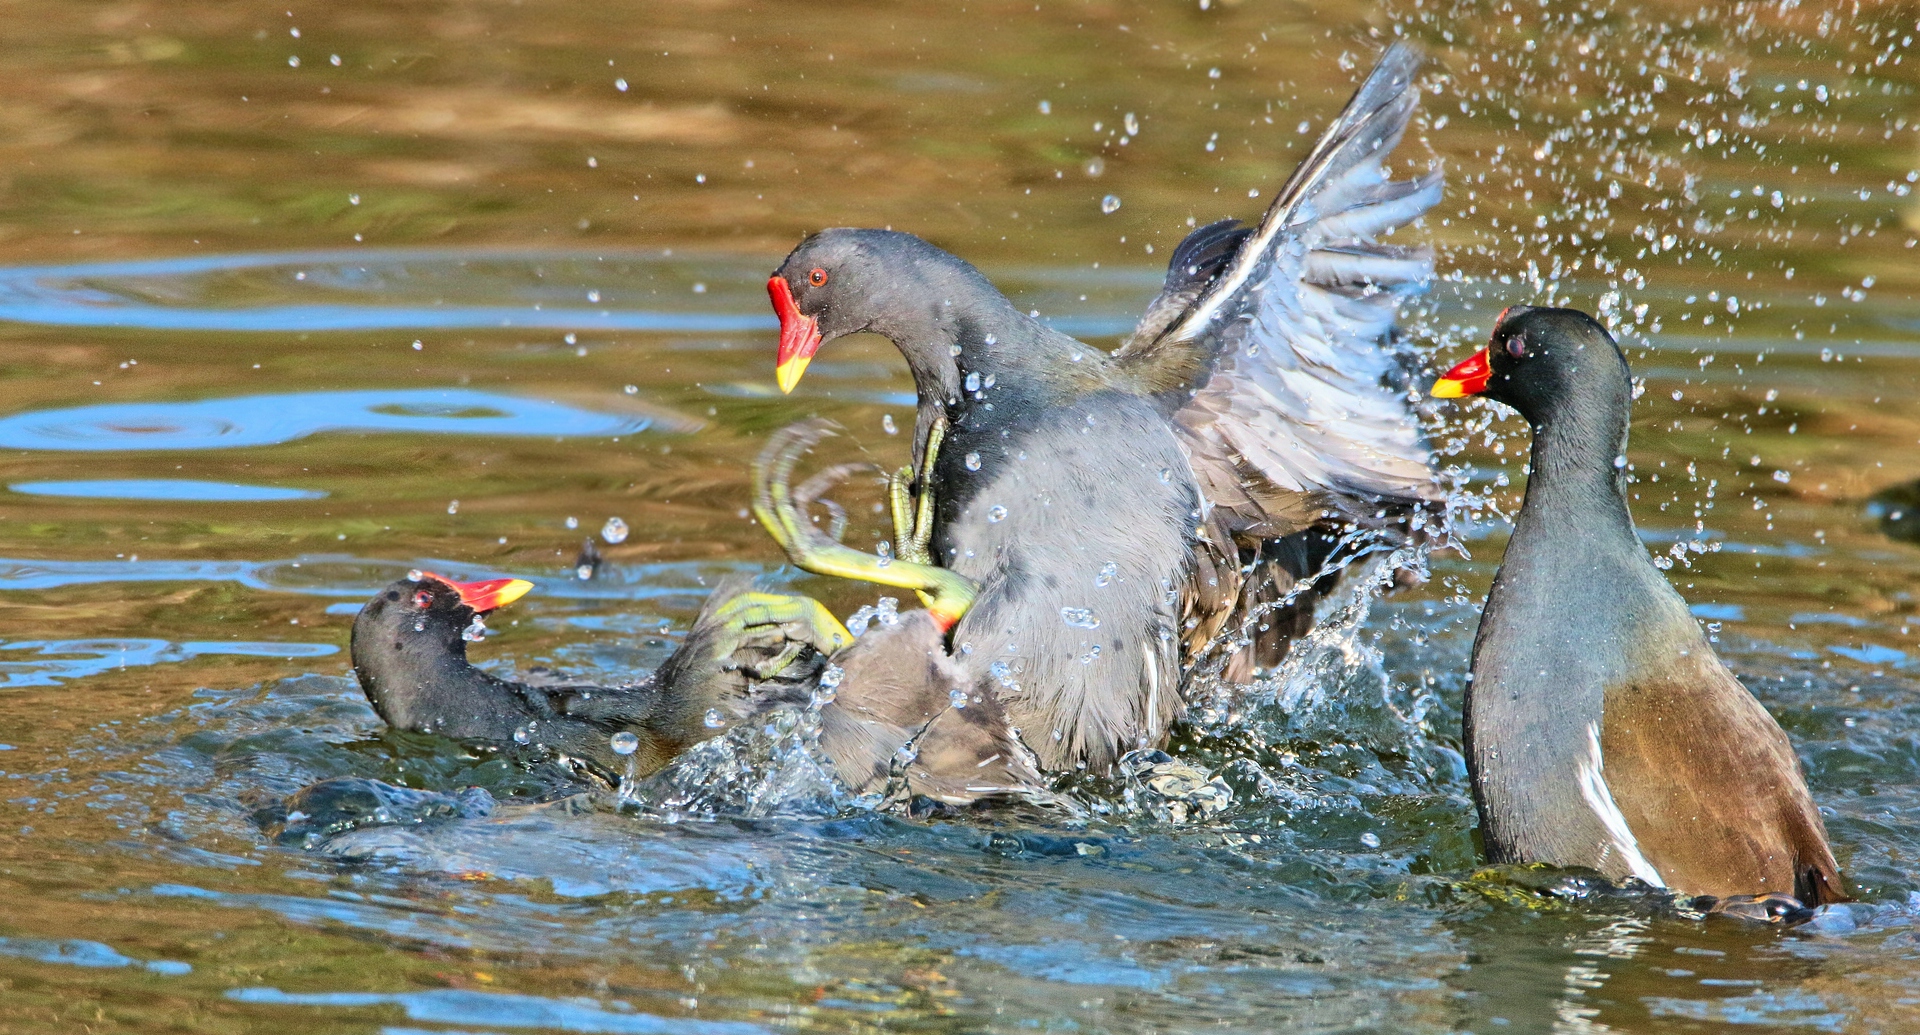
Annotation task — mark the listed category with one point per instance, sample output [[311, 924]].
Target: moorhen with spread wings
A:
[[1088, 523], [1601, 729]]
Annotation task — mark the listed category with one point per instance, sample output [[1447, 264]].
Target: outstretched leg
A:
[[947, 594]]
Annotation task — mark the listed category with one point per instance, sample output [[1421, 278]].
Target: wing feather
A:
[[1275, 362], [1291, 387]]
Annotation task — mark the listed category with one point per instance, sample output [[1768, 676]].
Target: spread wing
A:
[[1269, 348], [1268, 345]]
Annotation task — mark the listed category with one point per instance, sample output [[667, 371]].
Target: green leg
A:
[[913, 513], [946, 593]]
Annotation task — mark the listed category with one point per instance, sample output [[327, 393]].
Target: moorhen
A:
[[1088, 523], [1601, 729], [888, 716]]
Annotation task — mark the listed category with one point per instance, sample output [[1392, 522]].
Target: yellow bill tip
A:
[[512, 591], [788, 374], [1448, 388]]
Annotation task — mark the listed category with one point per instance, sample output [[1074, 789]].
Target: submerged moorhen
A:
[[886, 707], [410, 654], [1087, 522], [1601, 729]]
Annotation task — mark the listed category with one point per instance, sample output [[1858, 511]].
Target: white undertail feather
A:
[[1599, 798]]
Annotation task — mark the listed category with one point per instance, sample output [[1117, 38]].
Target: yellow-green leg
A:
[[946, 593], [913, 513]]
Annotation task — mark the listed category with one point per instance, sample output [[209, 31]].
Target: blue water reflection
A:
[[506, 1010], [52, 662], [368, 290], [464, 289], [166, 489], [355, 578], [264, 420], [78, 952]]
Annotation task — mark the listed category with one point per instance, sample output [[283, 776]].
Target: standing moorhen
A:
[[886, 709], [1095, 520], [1601, 729]]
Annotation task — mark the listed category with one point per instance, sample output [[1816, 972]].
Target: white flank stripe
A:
[[1593, 787]]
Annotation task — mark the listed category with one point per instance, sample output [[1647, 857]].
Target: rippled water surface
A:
[[293, 300]]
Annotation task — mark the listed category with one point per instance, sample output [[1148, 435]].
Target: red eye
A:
[[818, 278], [1516, 346], [423, 600]]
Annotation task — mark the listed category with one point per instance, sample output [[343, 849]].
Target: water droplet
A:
[[1092, 654], [1110, 204], [857, 621], [631, 389], [996, 514], [453, 507], [353, 199], [1619, 461], [1132, 124], [522, 736], [831, 676], [1166, 476], [614, 531], [887, 425], [958, 697], [714, 720], [415, 575], [572, 522], [973, 461], [420, 625], [973, 381], [620, 85], [593, 296], [1046, 107], [1370, 839], [475, 631], [1079, 617], [624, 743], [1096, 166], [418, 345], [991, 340], [1108, 572]]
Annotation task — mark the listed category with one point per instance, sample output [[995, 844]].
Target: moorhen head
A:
[[410, 652], [1109, 516], [1601, 729]]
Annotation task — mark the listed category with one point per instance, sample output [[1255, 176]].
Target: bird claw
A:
[[765, 619], [780, 510]]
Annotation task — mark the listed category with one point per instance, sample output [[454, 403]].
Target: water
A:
[[265, 321]]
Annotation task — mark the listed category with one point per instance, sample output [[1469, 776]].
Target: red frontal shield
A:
[[1468, 378], [799, 335]]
